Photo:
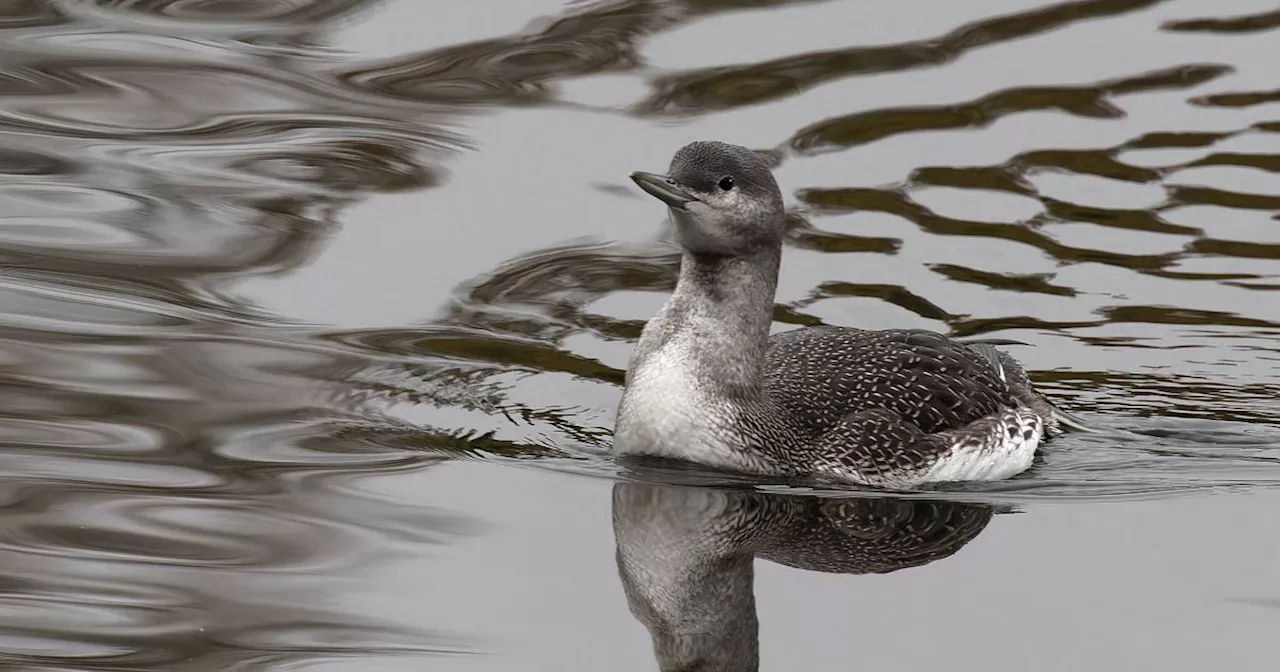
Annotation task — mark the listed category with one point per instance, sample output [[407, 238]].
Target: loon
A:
[[708, 384]]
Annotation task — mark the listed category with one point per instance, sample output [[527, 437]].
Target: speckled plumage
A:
[[708, 384]]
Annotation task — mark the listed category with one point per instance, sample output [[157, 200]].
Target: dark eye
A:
[[726, 183]]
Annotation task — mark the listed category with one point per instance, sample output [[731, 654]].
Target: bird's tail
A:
[[1010, 371], [1068, 420]]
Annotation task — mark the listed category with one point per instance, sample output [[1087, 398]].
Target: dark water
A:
[[314, 314]]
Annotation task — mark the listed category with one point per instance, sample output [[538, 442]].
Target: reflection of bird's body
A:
[[686, 556], [708, 384]]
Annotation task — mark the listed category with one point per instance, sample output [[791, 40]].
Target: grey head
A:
[[722, 198]]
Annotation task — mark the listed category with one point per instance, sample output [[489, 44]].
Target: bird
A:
[[708, 384]]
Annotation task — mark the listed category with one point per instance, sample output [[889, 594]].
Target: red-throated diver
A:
[[708, 384]]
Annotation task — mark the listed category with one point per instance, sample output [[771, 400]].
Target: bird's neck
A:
[[719, 316]]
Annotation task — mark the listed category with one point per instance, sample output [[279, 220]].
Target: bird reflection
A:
[[685, 556]]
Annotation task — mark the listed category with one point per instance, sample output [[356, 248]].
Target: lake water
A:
[[314, 315]]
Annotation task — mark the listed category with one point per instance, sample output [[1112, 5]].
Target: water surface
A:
[[315, 313]]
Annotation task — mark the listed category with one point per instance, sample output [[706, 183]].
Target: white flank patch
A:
[[997, 458]]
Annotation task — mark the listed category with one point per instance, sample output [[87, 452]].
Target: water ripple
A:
[[193, 476], [701, 91]]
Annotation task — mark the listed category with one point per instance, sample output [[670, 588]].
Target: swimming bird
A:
[[708, 384]]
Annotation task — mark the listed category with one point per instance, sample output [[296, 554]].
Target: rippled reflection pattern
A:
[[686, 556], [180, 465], [162, 503]]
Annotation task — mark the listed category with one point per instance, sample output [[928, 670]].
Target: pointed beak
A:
[[663, 188]]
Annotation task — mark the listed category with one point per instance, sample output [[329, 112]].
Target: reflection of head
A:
[[685, 556]]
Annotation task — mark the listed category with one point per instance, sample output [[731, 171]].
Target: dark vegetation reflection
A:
[[177, 461], [686, 556]]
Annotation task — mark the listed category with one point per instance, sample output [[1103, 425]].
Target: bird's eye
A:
[[726, 183]]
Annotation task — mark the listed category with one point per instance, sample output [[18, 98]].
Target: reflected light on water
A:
[[196, 472]]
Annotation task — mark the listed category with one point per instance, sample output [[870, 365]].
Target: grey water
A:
[[313, 316]]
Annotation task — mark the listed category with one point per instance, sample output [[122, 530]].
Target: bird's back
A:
[[818, 375]]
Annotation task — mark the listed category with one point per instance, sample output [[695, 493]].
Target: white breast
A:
[[666, 413]]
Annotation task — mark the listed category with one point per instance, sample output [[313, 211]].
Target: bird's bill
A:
[[663, 188]]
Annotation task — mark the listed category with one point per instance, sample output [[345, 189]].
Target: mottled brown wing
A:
[[820, 375]]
